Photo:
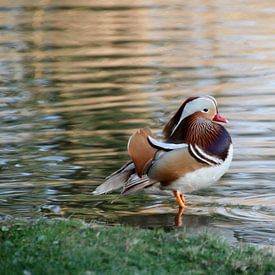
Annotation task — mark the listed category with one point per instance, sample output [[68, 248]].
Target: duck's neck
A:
[[211, 137]]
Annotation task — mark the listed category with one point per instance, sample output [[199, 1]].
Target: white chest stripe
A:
[[217, 160], [204, 157], [199, 157]]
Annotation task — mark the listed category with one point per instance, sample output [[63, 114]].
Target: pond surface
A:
[[78, 77]]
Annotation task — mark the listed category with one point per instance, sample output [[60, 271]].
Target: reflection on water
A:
[[77, 79]]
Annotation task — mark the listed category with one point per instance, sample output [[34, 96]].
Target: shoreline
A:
[[58, 246]]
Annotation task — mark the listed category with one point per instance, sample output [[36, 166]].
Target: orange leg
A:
[[180, 199], [181, 202]]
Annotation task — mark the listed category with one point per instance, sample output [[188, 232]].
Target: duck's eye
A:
[[205, 110]]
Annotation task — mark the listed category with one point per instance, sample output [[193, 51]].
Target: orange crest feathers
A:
[[140, 151]]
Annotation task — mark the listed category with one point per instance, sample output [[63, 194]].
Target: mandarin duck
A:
[[195, 152]]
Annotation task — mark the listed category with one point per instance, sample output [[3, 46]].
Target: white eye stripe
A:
[[205, 102], [213, 99], [177, 125]]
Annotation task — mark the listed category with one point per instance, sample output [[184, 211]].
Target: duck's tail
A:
[[132, 176], [125, 178], [117, 180]]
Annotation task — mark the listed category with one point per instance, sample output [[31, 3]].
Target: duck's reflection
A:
[[178, 217], [167, 221]]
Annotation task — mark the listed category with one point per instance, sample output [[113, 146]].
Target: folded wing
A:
[[131, 177], [141, 151]]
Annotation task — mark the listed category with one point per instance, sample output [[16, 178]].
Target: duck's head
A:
[[202, 106], [205, 106]]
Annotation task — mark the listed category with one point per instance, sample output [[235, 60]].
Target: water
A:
[[77, 78]]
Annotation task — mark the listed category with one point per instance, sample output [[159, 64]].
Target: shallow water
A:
[[77, 78]]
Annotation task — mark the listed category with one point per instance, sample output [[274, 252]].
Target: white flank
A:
[[202, 177]]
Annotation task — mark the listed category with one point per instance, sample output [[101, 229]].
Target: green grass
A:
[[73, 247]]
